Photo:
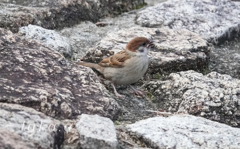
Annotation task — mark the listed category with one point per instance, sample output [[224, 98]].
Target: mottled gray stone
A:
[[9, 140], [36, 76], [58, 13], [214, 96], [185, 131], [33, 127], [48, 38], [175, 49], [96, 132], [213, 20]]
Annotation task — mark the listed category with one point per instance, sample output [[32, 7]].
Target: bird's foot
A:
[[118, 95], [115, 91], [137, 92]]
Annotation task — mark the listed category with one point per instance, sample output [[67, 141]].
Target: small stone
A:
[[96, 132]]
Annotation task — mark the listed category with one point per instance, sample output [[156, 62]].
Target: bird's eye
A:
[[140, 50], [144, 44]]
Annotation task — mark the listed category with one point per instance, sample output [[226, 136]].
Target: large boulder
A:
[[214, 20], [214, 96], [57, 13], [36, 76], [184, 131], [175, 49]]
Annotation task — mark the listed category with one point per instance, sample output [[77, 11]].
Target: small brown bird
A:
[[127, 66]]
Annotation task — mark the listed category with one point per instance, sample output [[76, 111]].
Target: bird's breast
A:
[[134, 68]]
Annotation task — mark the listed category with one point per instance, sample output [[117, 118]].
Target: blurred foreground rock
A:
[[214, 96], [214, 20], [175, 49], [9, 140], [57, 13], [185, 131], [33, 127], [35, 76]]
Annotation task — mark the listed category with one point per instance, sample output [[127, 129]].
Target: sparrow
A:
[[127, 66]]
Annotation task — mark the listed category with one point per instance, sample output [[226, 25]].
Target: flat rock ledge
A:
[[175, 50], [214, 20], [36, 76], [96, 132], [185, 131], [213, 96]]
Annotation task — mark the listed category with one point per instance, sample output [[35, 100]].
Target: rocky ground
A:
[[47, 101]]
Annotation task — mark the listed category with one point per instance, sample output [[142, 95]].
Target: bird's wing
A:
[[117, 60]]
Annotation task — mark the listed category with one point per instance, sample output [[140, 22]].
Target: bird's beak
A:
[[150, 44]]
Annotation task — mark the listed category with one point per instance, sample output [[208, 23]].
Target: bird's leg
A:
[[140, 93], [115, 91]]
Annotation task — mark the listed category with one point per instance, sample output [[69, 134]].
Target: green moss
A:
[[156, 76], [117, 123], [150, 96], [141, 5]]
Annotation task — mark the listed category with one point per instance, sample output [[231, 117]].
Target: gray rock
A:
[[214, 96], [175, 49], [185, 131], [96, 132], [225, 59], [36, 76], [57, 13], [48, 38], [34, 128], [213, 20], [9, 140]]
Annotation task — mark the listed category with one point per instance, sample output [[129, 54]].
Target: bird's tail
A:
[[92, 65]]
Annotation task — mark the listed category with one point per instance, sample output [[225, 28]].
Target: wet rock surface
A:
[[214, 96], [57, 14], [96, 132], [35, 76], [215, 21], [185, 131], [174, 49]]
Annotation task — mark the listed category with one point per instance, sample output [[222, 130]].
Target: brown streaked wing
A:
[[117, 60]]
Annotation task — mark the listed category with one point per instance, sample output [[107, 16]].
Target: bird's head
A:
[[140, 45]]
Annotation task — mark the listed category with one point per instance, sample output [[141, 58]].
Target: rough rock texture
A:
[[9, 140], [33, 127], [96, 132], [175, 49], [214, 20], [185, 131], [48, 38], [57, 13], [214, 96], [35, 76], [225, 58]]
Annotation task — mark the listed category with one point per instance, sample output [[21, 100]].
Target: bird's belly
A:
[[128, 74]]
